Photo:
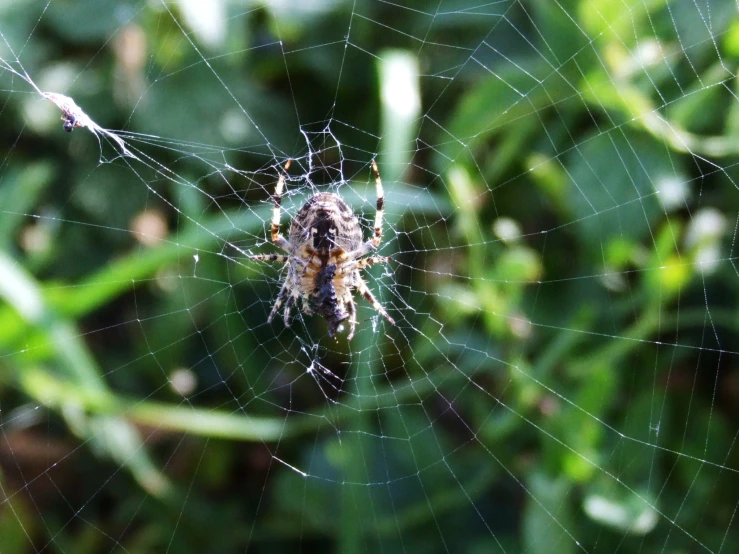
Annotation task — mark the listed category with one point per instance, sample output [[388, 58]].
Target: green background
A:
[[560, 214]]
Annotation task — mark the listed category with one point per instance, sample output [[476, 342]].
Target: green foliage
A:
[[564, 320]]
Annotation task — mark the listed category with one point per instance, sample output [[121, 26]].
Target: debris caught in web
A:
[[72, 115]]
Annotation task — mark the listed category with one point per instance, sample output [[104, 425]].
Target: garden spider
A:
[[324, 257]]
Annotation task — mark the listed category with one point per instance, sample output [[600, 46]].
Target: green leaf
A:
[[19, 195], [613, 181], [548, 525]]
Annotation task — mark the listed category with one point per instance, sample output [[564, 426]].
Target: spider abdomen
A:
[[326, 222], [326, 299]]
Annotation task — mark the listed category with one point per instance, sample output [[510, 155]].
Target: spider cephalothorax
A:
[[325, 255]]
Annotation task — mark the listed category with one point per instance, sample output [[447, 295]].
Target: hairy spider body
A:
[[324, 258], [325, 300]]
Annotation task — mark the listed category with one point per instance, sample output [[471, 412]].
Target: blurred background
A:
[[561, 208]]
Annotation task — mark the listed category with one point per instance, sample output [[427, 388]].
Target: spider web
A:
[[559, 180]]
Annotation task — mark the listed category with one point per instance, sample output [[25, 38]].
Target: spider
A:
[[324, 257]]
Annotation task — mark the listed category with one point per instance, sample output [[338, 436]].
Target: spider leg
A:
[[278, 258], [380, 207], [364, 290], [278, 302], [277, 237], [348, 267], [352, 309], [374, 242], [288, 306]]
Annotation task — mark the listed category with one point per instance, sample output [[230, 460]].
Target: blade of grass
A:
[[116, 437]]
